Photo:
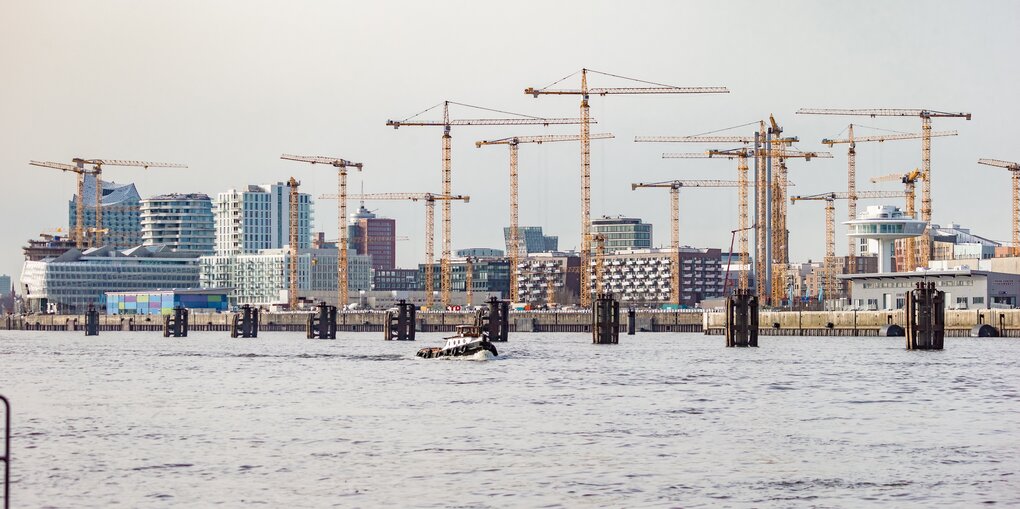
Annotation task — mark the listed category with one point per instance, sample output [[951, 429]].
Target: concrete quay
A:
[[772, 323]]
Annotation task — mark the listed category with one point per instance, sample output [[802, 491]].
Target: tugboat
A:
[[470, 340]]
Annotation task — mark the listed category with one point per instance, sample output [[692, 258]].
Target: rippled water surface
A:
[[136, 420]]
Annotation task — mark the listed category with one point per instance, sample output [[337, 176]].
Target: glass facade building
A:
[[121, 213], [623, 232]]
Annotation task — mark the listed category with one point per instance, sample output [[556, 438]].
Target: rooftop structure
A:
[[623, 232], [884, 224]]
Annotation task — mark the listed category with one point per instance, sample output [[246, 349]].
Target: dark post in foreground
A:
[[400, 326], [631, 322], [92, 321], [176, 324], [322, 323], [742, 319], [926, 323], [497, 320], [605, 315], [246, 323], [6, 458]]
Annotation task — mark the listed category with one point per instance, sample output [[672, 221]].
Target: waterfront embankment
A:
[[772, 323]]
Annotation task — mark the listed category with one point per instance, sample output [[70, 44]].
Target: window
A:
[[979, 300]]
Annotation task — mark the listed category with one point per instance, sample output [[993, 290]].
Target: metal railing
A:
[[6, 458]]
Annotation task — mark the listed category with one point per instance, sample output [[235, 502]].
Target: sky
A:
[[227, 86]]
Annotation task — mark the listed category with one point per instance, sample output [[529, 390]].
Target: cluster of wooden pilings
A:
[[321, 324]]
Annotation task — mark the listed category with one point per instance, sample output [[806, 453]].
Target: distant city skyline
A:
[[164, 83]]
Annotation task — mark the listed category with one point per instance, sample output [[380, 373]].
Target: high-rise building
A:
[[75, 279], [643, 276], [258, 217], [121, 213], [623, 232], [532, 240], [374, 236], [183, 222], [540, 271]]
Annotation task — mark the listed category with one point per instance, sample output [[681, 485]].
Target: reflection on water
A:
[[659, 420]]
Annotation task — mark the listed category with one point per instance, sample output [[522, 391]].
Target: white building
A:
[[70, 282], [263, 278], [258, 217], [883, 225], [183, 222]]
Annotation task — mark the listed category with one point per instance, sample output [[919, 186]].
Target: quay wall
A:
[[774, 323]]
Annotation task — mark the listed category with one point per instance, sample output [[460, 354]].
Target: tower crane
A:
[[742, 168], [851, 175], [674, 187], [926, 134], [97, 171], [430, 200], [78, 229], [513, 242], [909, 180], [585, 92], [1014, 169], [446, 123], [292, 292], [829, 265], [341, 166]]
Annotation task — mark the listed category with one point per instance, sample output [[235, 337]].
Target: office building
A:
[[623, 233], [121, 213], [263, 278], [530, 239], [406, 280], [374, 236], [257, 217], [487, 275], [964, 288], [183, 222], [70, 282]]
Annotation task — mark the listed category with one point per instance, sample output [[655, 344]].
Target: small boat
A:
[[470, 340]]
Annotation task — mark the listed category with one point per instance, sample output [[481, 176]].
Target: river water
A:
[[663, 420]]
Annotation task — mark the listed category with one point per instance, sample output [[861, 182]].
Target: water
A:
[[136, 420]]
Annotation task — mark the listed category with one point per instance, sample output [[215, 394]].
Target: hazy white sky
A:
[[227, 86]]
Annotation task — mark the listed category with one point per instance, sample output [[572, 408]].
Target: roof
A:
[[113, 193], [183, 291], [179, 196]]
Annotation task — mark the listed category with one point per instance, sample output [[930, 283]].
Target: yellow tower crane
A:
[[78, 228], [513, 240], [674, 187], [926, 134], [851, 173], [446, 123], [341, 166], [1014, 169], [741, 155], [97, 171], [909, 180], [292, 292], [585, 92], [430, 200], [829, 266]]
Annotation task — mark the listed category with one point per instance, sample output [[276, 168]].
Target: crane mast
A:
[[513, 239], [78, 229], [447, 166], [1014, 171], [584, 92], [430, 200], [97, 171], [292, 293], [341, 166], [926, 135], [829, 264]]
